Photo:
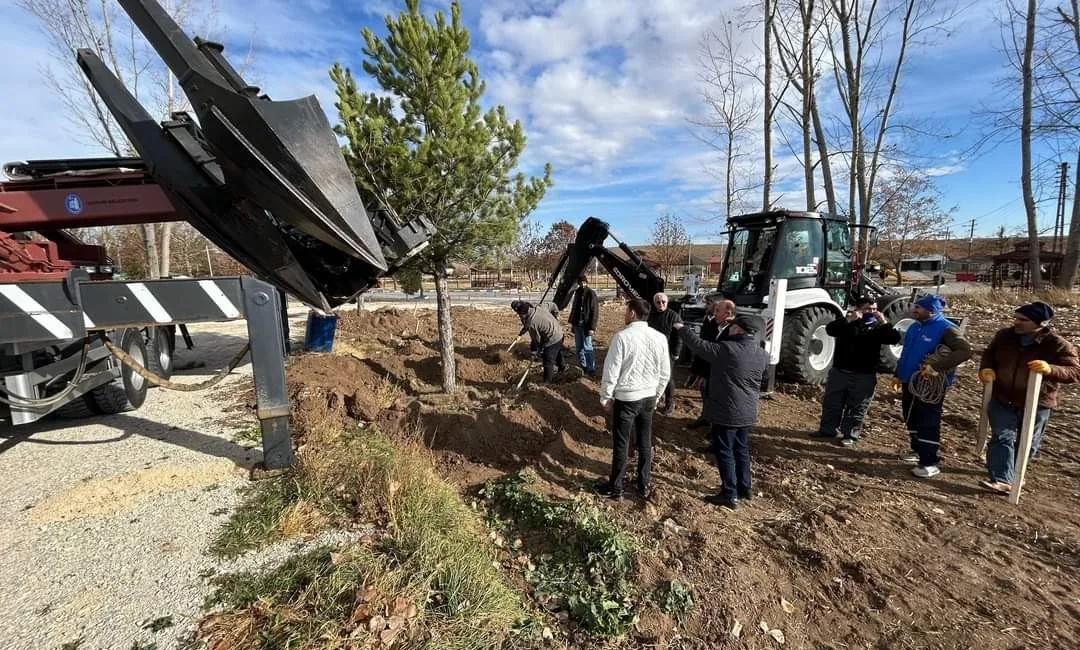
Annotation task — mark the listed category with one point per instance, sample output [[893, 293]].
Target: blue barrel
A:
[[320, 332]]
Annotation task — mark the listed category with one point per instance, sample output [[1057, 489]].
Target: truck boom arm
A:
[[634, 277]]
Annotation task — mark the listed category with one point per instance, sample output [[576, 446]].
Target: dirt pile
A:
[[839, 547]]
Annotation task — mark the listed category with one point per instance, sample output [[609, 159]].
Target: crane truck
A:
[[264, 180]]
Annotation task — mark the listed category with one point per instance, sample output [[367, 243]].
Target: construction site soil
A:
[[839, 548]]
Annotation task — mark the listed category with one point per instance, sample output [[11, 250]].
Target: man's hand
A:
[[880, 317], [927, 371], [678, 326], [853, 315], [987, 375], [897, 384], [606, 403], [1039, 366]]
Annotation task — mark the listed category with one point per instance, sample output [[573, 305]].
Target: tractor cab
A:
[[809, 250]]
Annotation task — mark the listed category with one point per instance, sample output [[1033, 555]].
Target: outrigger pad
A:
[[265, 180]]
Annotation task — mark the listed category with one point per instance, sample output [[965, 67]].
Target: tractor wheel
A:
[[128, 391], [806, 351], [160, 345], [898, 312]]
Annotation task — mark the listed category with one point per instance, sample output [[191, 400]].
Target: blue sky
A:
[[606, 90]]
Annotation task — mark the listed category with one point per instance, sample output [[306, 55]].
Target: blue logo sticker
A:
[[73, 203]]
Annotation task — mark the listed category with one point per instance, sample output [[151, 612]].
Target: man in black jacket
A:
[[850, 387], [663, 320], [718, 315], [583, 316], [736, 367]]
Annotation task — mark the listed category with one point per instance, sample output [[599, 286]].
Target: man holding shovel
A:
[[1028, 346], [546, 335]]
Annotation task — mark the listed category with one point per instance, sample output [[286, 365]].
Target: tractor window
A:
[[838, 255], [801, 251], [746, 269]]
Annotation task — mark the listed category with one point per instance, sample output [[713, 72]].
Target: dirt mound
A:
[[836, 546]]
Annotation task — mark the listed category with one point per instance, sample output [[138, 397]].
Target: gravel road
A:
[[104, 522]]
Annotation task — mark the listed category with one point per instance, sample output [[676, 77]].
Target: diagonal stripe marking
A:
[[220, 299], [147, 300], [35, 310]]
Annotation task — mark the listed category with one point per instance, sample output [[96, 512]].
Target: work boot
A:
[[719, 500], [847, 441], [608, 491]]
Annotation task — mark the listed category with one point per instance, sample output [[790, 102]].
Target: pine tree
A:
[[426, 147]]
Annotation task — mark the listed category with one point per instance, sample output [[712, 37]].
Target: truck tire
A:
[[128, 391], [78, 408], [897, 312], [160, 346], [806, 351]]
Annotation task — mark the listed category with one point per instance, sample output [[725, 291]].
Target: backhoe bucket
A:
[[265, 180]]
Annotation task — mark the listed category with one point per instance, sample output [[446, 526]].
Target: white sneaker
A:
[[925, 472]]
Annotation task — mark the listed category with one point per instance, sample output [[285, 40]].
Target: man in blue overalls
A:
[[932, 346]]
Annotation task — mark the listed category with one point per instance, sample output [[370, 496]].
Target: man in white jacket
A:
[[636, 371]]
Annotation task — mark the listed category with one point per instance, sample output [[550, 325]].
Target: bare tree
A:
[[670, 242], [909, 210], [1028, 84], [724, 77], [868, 35], [770, 105], [1062, 98], [101, 26]]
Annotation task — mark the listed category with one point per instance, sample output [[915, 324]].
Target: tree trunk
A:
[[1071, 262], [1025, 147], [153, 262], [767, 184], [807, 10], [446, 329], [823, 157], [166, 249]]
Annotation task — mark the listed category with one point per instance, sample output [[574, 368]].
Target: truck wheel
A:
[[806, 351], [898, 312], [160, 346], [128, 391], [79, 408]]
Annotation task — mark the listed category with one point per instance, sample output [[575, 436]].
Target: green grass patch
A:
[[432, 554], [580, 561]]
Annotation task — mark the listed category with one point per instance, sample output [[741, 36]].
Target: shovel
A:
[[984, 419]]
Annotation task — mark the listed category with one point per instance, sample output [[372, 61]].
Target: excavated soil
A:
[[840, 548]]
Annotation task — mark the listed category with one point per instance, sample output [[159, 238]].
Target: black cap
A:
[[746, 324]]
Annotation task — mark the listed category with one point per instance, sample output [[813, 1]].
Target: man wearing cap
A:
[[850, 387], [1028, 346], [583, 316], [932, 346], [545, 333], [736, 367]]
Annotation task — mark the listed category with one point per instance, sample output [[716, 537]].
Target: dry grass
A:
[[434, 559], [996, 298]]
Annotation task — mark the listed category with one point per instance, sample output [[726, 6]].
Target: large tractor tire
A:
[[128, 391], [160, 346], [897, 312], [806, 350]]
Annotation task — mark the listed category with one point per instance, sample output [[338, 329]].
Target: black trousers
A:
[[732, 449], [924, 426], [553, 358], [845, 403], [631, 418]]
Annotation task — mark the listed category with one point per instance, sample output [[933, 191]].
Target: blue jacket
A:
[[920, 341]]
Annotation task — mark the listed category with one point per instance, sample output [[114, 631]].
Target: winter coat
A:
[[710, 331], [585, 310], [636, 366], [663, 322], [737, 365], [921, 341], [1008, 359], [858, 345], [543, 328]]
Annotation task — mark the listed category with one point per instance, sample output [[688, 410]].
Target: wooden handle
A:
[[984, 419], [1027, 429]]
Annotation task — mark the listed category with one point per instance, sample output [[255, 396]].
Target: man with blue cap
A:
[[1014, 352], [933, 346]]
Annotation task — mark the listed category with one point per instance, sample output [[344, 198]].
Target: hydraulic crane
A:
[[265, 180]]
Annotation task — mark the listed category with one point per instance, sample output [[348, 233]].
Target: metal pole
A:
[[208, 262], [944, 256]]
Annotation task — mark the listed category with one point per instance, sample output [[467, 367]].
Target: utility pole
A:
[[944, 257], [971, 238], [1059, 220]]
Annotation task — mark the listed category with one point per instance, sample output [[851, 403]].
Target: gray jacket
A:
[[736, 368], [543, 328]]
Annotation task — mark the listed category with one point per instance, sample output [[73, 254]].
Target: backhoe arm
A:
[[634, 277]]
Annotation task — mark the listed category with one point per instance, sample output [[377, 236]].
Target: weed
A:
[[139, 645], [72, 645], [589, 563], [388, 392], [249, 437], [676, 600], [158, 624], [255, 523]]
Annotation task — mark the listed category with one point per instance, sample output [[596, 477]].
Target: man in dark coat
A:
[[1028, 346], [718, 315], [583, 316], [663, 320], [850, 387], [546, 335], [737, 365]]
